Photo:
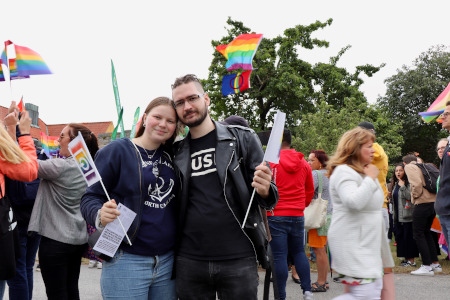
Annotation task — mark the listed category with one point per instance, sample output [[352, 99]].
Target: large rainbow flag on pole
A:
[[240, 51], [437, 107]]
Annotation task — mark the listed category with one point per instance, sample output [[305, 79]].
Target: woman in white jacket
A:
[[358, 243]]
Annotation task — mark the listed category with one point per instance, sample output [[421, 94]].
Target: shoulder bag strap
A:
[[319, 174]]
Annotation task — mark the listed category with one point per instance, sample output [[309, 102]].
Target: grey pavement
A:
[[407, 287]]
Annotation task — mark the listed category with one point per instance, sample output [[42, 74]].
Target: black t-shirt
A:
[[211, 231]]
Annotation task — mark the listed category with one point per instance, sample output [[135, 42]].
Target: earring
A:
[[144, 125]]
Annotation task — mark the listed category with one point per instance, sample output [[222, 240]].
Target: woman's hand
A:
[[109, 212], [25, 123], [371, 171]]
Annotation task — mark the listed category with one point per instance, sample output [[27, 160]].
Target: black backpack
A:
[[431, 175]]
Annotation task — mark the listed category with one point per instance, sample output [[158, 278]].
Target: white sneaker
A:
[[436, 268], [423, 271], [308, 296], [99, 265], [92, 264]]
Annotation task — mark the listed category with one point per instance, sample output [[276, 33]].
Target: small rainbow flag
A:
[[240, 51], [80, 152], [50, 145], [437, 107], [235, 83]]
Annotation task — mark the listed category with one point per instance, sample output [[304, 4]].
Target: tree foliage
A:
[[323, 129], [412, 90], [281, 80]]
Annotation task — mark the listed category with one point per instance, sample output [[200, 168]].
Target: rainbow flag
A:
[[79, 151], [50, 145], [240, 51], [236, 83], [25, 63], [3, 61], [30, 62], [437, 107]]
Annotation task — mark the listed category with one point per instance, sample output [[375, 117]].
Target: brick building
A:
[[102, 130]]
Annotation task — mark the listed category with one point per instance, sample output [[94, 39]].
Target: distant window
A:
[[33, 110]]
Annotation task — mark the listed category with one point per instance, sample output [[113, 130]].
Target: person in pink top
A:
[[293, 177]]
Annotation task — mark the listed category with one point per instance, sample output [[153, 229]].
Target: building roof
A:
[[55, 129]]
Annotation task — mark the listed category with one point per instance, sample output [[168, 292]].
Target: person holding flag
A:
[[219, 167], [139, 174], [56, 216]]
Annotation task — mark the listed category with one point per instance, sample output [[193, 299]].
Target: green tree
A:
[[323, 129], [281, 80], [412, 90]]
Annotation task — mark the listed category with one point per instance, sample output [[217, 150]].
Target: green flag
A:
[[135, 120], [117, 97], [119, 121]]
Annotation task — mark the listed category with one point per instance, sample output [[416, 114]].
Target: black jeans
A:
[[60, 268], [423, 216], [230, 279]]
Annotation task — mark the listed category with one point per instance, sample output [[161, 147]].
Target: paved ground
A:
[[407, 287]]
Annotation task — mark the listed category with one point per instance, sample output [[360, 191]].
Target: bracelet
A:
[[23, 134]]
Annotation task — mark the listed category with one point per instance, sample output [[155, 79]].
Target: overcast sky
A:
[[152, 44]]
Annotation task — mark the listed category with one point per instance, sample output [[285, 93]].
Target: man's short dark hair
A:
[[186, 79], [367, 125], [287, 137], [409, 158], [236, 120]]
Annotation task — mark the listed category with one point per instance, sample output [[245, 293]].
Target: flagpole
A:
[[248, 209], [109, 199]]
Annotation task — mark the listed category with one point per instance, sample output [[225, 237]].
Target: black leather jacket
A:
[[238, 152]]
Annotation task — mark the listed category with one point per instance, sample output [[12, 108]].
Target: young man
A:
[[286, 221], [219, 167]]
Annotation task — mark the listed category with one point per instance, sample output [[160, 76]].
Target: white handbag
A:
[[316, 212]]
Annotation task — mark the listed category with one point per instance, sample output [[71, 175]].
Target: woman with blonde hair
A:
[[357, 240], [18, 161]]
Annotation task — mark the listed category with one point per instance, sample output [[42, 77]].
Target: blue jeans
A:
[[288, 237], [230, 279], [130, 276], [445, 224], [2, 288], [21, 285]]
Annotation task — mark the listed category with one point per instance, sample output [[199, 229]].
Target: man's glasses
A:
[[444, 115], [191, 99], [440, 148]]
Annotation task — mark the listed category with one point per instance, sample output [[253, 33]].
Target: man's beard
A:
[[198, 121]]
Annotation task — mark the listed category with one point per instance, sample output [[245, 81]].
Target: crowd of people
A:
[[210, 210]]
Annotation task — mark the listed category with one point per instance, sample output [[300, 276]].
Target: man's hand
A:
[[261, 179]]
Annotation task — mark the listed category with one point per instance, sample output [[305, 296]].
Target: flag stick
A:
[[248, 209], [121, 225]]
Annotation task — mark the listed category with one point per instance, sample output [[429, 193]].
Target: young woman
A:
[[57, 218], [139, 174], [357, 239], [317, 239], [403, 209]]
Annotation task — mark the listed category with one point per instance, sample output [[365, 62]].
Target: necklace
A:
[[148, 155]]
